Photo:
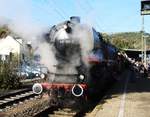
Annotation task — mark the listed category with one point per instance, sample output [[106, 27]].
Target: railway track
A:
[[75, 110], [59, 112], [65, 112], [10, 100]]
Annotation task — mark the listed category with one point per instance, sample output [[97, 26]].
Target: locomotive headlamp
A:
[[81, 76], [65, 26]]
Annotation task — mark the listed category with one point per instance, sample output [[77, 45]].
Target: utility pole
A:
[[145, 10], [145, 56], [143, 43], [142, 48]]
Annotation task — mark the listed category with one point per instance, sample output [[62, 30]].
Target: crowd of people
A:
[[141, 68]]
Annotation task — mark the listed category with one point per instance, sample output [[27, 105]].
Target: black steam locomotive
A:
[[86, 64]]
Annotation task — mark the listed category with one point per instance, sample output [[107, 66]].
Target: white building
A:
[[9, 45]]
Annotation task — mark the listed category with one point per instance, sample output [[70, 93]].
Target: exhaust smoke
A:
[[83, 34]]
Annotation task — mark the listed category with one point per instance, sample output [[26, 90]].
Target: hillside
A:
[[127, 40]]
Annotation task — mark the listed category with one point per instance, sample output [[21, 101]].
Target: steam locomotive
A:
[[86, 64]]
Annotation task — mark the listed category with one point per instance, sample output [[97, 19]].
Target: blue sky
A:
[[105, 15]]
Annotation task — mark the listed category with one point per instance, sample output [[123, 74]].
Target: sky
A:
[[108, 16]]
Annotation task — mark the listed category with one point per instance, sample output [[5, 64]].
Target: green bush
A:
[[8, 76]]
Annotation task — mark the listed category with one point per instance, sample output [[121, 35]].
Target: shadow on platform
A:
[[137, 83]]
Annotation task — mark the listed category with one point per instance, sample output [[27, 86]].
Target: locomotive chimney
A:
[[75, 19]]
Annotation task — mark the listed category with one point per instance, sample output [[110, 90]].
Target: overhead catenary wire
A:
[[45, 10], [55, 8], [91, 9], [96, 18], [63, 14], [60, 9]]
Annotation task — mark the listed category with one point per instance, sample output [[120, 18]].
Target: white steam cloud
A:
[[22, 23], [47, 55], [83, 33], [17, 15]]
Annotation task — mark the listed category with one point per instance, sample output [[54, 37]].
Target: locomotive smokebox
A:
[[75, 19]]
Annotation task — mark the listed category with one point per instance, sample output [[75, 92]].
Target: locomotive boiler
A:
[[85, 62]]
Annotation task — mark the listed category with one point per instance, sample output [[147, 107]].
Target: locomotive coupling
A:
[[77, 90], [37, 88]]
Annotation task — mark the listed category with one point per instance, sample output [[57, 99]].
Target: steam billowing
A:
[[47, 56], [23, 24], [33, 33], [83, 33], [17, 15]]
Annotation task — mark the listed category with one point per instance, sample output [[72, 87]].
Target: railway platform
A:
[[130, 97]]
